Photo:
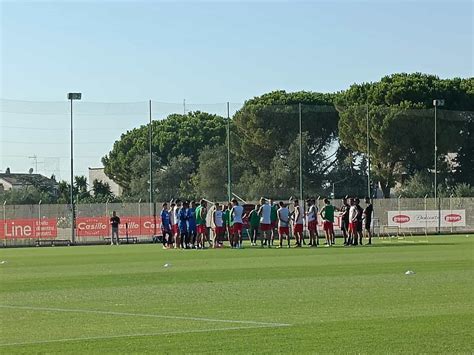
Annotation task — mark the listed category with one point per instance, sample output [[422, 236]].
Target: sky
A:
[[125, 53]]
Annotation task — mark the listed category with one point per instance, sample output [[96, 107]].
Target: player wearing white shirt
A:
[[298, 224], [265, 221], [352, 223], [312, 222], [283, 216], [236, 212], [175, 213], [218, 223]]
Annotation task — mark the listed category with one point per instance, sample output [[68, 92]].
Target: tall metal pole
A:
[[73, 209], [369, 185], [435, 153], [301, 153], [229, 178], [436, 103], [184, 107], [150, 134], [436, 166]]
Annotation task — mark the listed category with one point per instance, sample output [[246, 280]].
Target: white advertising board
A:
[[426, 219]]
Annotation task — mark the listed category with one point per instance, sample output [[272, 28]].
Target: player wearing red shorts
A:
[[218, 222], [327, 214], [201, 213], [283, 215], [298, 224], [175, 226], [352, 223], [265, 221], [273, 220], [236, 214]]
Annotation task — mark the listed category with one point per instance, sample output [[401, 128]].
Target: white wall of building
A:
[[98, 174]]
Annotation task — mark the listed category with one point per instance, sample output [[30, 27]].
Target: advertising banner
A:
[[426, 219], [28, 228], [133, 225]]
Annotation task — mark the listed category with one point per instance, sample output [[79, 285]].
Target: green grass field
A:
[[326, 300]]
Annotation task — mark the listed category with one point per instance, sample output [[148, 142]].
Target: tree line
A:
[[189, 152]]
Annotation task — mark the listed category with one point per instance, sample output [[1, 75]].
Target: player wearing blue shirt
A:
[[192, 224], [183, 217], [166, 226]]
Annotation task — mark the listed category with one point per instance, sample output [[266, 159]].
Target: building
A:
[[99, 175], [12, 181]]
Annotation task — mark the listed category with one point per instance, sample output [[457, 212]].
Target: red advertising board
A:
[[133, 225], [92, 226], [28, 228]]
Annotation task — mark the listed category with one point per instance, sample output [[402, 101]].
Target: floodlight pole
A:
[[301, 152], [150, 136], [435, 150], [369, 185], [229, 178], [71, 97], [73, 209]]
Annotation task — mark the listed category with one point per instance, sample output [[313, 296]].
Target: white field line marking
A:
[[136, 335], [144, 315]]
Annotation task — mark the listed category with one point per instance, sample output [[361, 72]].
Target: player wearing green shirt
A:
[[254, 223], [327, 214], [201, 213]]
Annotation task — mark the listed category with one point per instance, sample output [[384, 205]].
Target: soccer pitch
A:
[[327, 300]]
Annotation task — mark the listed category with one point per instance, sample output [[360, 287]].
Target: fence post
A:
[[107, 216], [38, 234], [399, 209], [426, 215], [4, 222], [451, 210], [140, 217], [318, 209], [154, 220], [439, 214]]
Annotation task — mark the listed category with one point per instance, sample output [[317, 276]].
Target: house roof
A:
[[28, 180]]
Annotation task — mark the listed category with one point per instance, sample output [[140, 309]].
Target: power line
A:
[[63, 129], [52, 143]]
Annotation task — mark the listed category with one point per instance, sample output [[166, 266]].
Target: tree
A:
[[281, 178], [177, 135], [418, 186], [173, 181], [81, 191], [64, 195], [465, 158], [267, 128], [401, 122], [176, 179], [463, 190], [211, 176], [348, 176], [101, 189], [270, 122], [29, 195]]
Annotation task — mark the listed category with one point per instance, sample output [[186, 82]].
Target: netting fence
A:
[[226, 150]]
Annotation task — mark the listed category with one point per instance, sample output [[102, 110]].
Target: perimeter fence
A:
[[28, 225]]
